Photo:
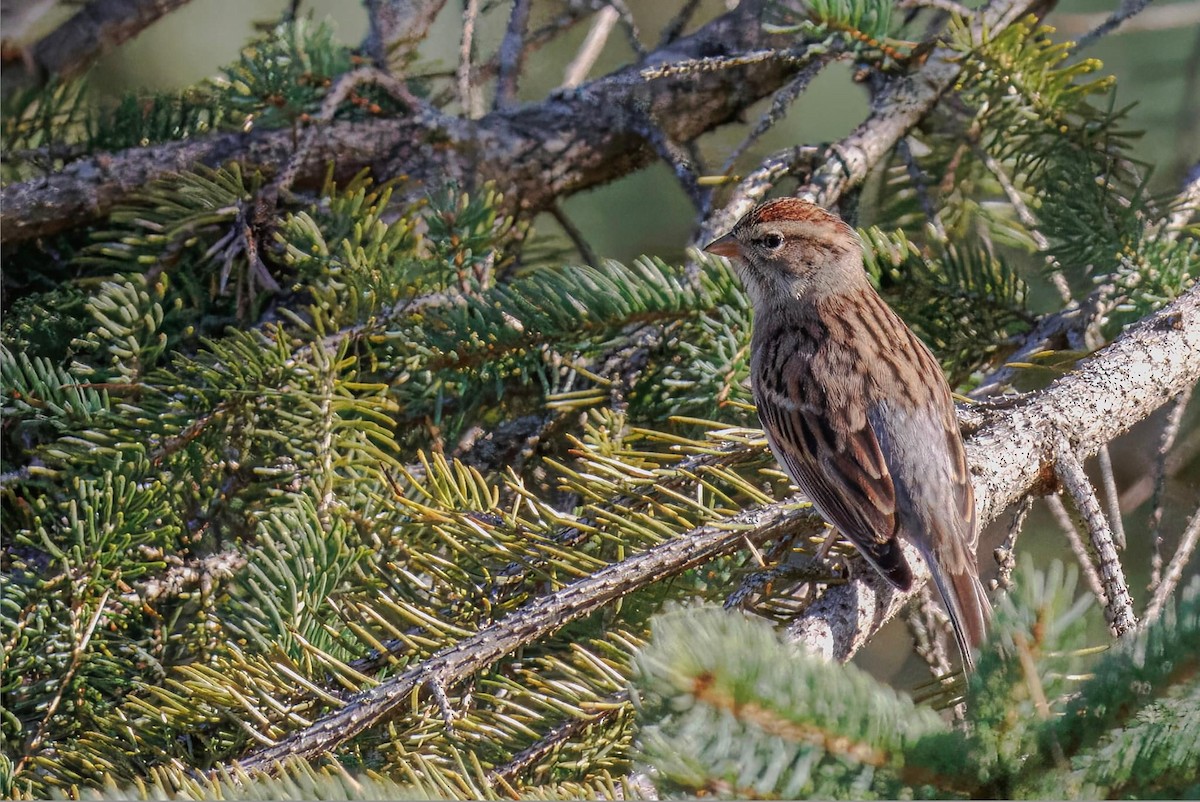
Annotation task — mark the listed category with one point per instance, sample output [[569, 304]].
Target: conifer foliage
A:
[[267, 448]]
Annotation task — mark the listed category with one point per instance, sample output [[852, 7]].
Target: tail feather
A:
[[967, 605]]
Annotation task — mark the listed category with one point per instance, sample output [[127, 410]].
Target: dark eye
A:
[[773, 241]]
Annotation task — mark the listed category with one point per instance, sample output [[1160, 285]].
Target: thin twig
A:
[[1169, 16], [469, 96], [1182, 454], [480, 73], [629, 24], [1119, 609], [1111, 497], [1127, 9], [609, 709], [575, 235], [675, 27], [94, 30], [1005, 553], [590, 50], [1028, 220], [77, 653], [1187, 545], [1166, 440], [1086, 563], [681, 161], [396, 27], [780, 102], [926, 624], [512, 54], [918, 177], [330, 104]]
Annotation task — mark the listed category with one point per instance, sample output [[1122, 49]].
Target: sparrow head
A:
[[789, 248]]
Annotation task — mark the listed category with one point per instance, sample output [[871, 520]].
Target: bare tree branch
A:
[[1005, 553], [96, 29], [512, 54], [1151, 18], [1118, 609], [1187, 545], [1158, 18], [1112, 498], [1166, 440], [592, 47], [396, 27], [1086, 564]]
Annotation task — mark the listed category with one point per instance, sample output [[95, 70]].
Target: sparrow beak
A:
[[725, 246]]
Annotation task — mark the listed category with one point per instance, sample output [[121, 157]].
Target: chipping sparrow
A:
[[855, 407]]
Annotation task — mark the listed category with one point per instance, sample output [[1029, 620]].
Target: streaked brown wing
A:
[[843, 473]]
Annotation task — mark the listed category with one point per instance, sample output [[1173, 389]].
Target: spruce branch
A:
[[79, 651], [536, 620]]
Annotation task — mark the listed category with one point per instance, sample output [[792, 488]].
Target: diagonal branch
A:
[[1187, 546], [94, 30], [1118, 606], [534, 621]]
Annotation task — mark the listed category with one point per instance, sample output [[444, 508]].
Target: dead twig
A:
[[593, 45], [1118, 609], [1174, 572], [512, 54], [1166, 441], [1086, 562]]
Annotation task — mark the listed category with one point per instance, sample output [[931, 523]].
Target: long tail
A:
[[967, 605]]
